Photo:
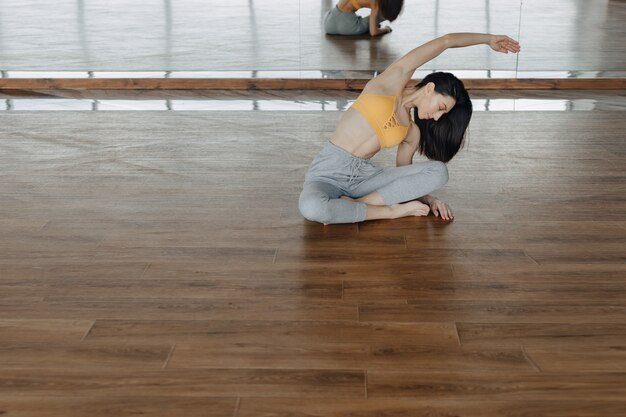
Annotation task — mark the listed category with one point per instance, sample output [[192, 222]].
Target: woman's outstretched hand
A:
[[441, 209], [504, 44]]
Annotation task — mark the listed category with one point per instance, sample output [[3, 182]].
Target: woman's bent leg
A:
[[363, 25], [337, 22], [320, 202], [397, 185]]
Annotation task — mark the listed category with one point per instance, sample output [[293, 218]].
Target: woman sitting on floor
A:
[[343, 186], [342, 19]]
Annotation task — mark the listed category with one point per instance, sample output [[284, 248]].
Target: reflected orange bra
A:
[[380, 112], [355, 4]]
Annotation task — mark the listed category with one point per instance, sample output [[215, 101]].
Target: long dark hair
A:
[[440, 140], [390, 9]]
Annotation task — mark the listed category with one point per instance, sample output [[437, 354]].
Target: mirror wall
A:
[[241, 37]]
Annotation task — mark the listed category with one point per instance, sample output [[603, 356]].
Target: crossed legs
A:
[[387, 195]]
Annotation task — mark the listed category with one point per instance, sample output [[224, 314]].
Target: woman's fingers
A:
[[506, 44], [442, 210], [512, 45]]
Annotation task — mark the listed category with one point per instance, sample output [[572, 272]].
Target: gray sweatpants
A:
[[335, 172], [337, 22]]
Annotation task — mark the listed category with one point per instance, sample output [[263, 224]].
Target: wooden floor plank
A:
[[478, 406], [288, 333], [68, 308], [608, 358], [539, 386], [566, 273], [38, 355], [119, 405], [205, 288], [541, 335], [579, 255], [418, 287], [42, 330], [422, 257], [285, 383], [531, 235], [388, 356], [495, 311]]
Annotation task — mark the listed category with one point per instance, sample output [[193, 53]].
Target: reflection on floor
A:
[[295, 75], [194, 100], [156, 264]]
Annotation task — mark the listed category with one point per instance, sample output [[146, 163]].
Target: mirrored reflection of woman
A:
[[343, 20]]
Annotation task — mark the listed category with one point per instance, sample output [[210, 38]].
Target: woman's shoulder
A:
[[389, 82]]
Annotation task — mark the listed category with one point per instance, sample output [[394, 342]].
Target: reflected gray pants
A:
[[335, 172], [337, 22]]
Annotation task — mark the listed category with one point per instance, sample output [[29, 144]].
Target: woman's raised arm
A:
[[399, 73]]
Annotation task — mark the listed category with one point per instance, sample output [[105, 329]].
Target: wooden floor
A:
[[155, 263]]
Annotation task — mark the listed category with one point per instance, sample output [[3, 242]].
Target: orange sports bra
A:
[[380, 112], [355, 4]]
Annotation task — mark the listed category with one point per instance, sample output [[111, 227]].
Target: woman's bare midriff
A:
[[359, 148]]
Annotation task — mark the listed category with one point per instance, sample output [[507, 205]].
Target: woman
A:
[[343, 186], [342, 19]]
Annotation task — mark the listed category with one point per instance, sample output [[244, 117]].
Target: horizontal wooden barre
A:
[[291, 84]]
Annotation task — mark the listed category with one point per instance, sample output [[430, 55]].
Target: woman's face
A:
[[433, 105]]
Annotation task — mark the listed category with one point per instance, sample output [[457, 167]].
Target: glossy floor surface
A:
[[286, 35], [153, 260], [155, 263], [289, 100]]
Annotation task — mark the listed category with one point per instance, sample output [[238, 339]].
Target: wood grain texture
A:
[[120, 405], [479, 406], [156, 263], [379, 356], [284, 333], [510, 386], [608, 358], [290, 383], [75, 355], [541, 335]]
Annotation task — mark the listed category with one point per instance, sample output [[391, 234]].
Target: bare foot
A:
[[411, 208]]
